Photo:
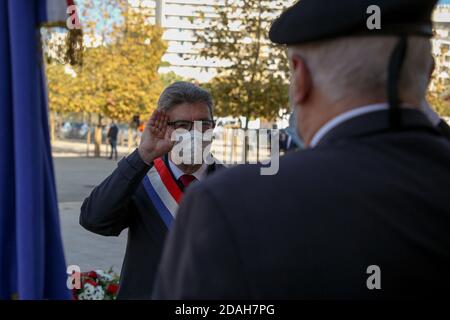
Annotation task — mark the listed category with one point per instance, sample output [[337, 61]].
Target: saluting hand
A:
[[155, 140]]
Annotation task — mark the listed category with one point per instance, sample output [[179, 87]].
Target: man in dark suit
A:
[[112, 138], [142, 194], [364, 211]]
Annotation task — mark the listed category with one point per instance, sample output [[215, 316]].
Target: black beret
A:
[[310, 20]]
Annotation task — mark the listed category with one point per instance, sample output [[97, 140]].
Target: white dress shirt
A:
[[343, 117], [199, 174]]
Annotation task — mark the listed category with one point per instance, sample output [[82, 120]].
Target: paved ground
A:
[[78, 148], [85, 249], [75, 178]]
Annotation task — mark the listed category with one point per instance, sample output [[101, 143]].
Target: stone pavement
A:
[[75, 178], [86, 249], [78, 148]]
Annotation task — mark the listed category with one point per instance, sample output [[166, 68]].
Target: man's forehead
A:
[[190, 107], [190, 111]]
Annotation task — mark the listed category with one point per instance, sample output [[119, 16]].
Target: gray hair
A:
[[350, 66], [181, 92]]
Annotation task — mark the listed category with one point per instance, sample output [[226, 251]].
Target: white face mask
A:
[[188, 148]]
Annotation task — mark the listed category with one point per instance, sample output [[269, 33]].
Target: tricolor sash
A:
[[163, 191]]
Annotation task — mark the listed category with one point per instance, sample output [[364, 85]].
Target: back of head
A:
[[357, 66]]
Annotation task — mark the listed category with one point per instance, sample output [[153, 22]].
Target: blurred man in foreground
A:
[[143, 193], [364, 212]]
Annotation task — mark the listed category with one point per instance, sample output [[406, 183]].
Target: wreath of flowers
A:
[[97, 285]]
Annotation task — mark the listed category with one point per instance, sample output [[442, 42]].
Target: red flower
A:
[[92, 282], [112, 289], [92, 275]]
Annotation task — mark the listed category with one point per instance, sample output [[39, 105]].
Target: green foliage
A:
[[169, 78], [254, 80], [119, 76], [439, 97], [60, 85]]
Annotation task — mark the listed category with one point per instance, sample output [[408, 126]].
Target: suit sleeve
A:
[[106, 210], [200, 260]]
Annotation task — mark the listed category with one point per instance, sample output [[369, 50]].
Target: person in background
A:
[[112, 138], [140, 130]]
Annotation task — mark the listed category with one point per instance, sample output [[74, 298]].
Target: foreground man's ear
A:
[[301, 82]]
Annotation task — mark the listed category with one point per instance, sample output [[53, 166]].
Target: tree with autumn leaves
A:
[[122, 77], [439, 99], [118, 77], [439, 96], [252, 73]]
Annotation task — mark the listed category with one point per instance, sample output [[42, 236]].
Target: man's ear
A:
[[301, 81]]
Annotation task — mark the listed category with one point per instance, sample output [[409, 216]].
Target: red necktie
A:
[[187, 179]]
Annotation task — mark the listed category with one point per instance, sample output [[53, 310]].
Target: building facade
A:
[[180, 19]]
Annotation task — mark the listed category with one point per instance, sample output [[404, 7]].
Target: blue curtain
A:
[[32, 262]]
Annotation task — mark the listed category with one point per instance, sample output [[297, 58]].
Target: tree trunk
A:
[[257, 146], [98, 137], [247, 119], [52, 126], [88, 136], [121, 139], [225, 145], [130, 138], [59, 121]]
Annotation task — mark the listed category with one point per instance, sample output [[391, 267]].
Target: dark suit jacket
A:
[[121, 202], [364, 196]]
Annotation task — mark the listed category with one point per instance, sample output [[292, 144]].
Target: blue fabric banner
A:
[[32, 262]]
